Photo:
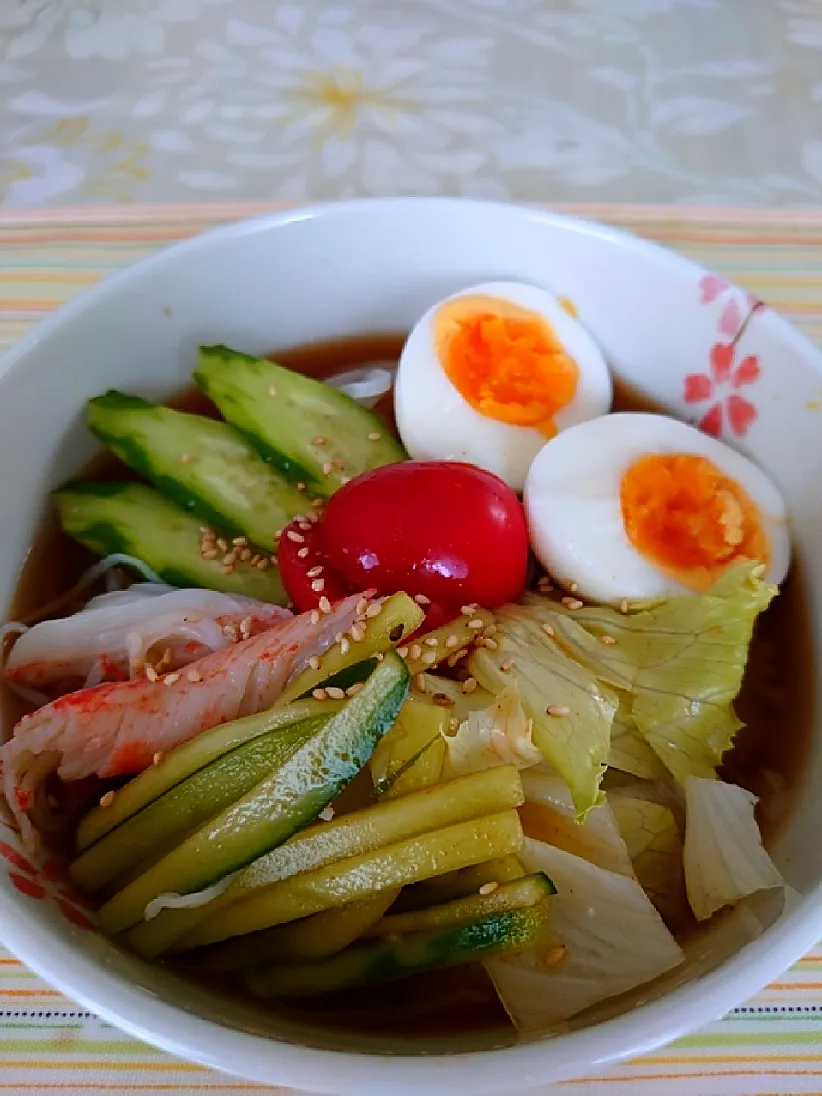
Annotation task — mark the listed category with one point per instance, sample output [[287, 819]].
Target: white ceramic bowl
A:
[[363, 267]]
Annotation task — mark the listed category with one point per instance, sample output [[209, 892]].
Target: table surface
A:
[[694, 101]]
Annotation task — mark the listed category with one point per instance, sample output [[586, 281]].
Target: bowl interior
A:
[[369, 267]]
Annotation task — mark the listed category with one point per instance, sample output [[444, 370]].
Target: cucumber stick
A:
[[360, 877], [350, 835], [284, 413], [203, 465], [291, 796], [462, 911], [113, 517], [188, 758], [389, 960], [460, 884], [312, 938], [399, 617], [188, 805]]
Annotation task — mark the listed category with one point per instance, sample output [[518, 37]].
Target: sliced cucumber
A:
[[203, 465], [284, 413], [189, 758], [398, 618], [271, 812], [412, 753], [447, 640], [362, 877], [460, 884], [312, 938], [389, 960], [461, 911], [188, 805], [351, 835], [111, 517]]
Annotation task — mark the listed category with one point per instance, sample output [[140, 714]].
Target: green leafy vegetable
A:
[[500, 734], [571, 709], [630, 752], [612, 940], [654, 845], [681, 662], [723, 854]]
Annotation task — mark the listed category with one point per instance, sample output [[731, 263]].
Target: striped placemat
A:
[[773, 1044]]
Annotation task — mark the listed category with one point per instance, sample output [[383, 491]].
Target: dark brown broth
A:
[[767, 757]]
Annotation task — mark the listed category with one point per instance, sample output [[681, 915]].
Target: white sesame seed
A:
[[245, 555], [572, 603], [357, 632], [379, 656], [352, 690], [454, 659], [305, 525], [194, 676], [557, 710], [158, 757], [314, 662], [469, 685], [475, 624], [240, 542], [335, 693], [431, 641], [325, 604], [222, 544], [245, 627], [489, 888], [229, 559], [327, 813], [338, 637], [209, 553], [107, 799], [151, 674], [443, 700], [319, 694], [573, 587], [171, 679], [402, 652], [345, 479], [429, 658], [452, 641], [318, 585], [345, 646], [319, 440], [272, 391], [315, 617], [553, 956], [362, 606], [298, 538], [374, 609], [230, 632], [314, 571], [415, 652], [303, 553], [491, 644], [318, 505], [549, 631], [623, 605], [421, 599], [375, 435], [607, 640], [262, 565], [453, 724], [507, 665], [468, 610], [419, 682], [328, 468]]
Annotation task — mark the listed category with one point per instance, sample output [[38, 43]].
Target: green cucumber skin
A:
[[110, 517], [239, 385], [412, 953], [224, 481], [293, 795], [186, 806]]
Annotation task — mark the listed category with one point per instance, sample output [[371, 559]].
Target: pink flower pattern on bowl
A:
[[48, 881], [727, 370]]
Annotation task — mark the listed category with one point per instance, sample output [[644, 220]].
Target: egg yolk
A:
[[689, 519], [505, 361]]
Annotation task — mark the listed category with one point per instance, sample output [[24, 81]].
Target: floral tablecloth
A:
[[708, 101]]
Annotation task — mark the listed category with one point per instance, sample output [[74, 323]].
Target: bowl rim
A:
[[483, 1072]]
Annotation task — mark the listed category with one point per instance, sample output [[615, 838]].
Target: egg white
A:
[[572, 501], [434, 420]]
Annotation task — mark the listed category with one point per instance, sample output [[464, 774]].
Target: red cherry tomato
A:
[[450, 532]]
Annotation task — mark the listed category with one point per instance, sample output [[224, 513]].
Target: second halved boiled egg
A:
[[493, 372], [641, 506]]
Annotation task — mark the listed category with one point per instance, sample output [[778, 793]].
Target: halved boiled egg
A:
[[640, 506], [490, 374]]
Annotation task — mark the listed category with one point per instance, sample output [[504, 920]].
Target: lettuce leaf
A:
[[500, 734], [575, 737], [548, 815], [654, 845], [614, 940], [630, 751], [681, 662], [723, 855]]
